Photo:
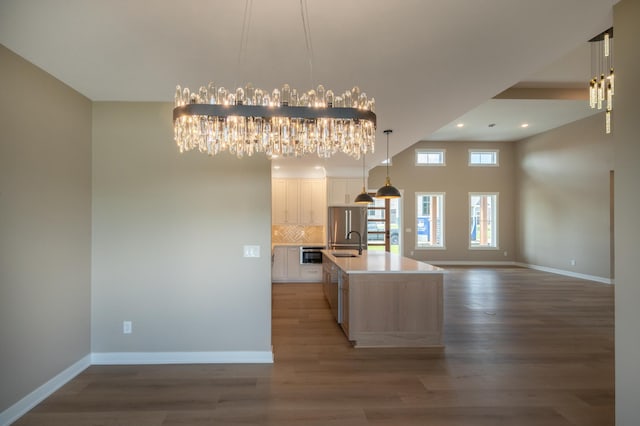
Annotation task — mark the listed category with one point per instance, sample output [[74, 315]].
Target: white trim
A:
[[21, 407], [218, 357], [472, 263], [522, 265], [431, 248], [567, 273]]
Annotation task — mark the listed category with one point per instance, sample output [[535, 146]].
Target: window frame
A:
[[481, 151], [441, 151], [442, 245], [496, 221]]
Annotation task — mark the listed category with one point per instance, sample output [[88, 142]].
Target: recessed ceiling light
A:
[[276, 167], [523, 125], [460, 125], [317, 167]]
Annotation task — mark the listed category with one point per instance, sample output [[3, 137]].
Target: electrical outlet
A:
[[506, 253], [127, 327], [572, 262]]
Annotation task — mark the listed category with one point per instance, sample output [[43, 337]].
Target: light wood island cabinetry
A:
[[386, 300]]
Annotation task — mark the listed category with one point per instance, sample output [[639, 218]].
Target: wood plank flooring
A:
[[523, 348]]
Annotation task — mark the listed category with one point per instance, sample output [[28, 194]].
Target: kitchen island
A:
[[383, 299]]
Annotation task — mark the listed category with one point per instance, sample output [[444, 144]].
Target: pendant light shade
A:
[[388, 190], [363, 197]]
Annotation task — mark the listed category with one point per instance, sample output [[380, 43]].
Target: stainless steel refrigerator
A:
[[342, 220]]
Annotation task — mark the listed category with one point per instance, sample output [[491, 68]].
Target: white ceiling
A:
[[427, 63]]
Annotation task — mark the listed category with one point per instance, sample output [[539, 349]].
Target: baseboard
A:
[[222, 357], [522, 265], [567, 273], [21, 407], [470, 263]]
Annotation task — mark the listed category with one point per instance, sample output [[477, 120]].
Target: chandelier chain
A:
[[244, 37], [304, 13]]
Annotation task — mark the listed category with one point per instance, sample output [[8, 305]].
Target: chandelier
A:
[[283, 122], [601, 86]]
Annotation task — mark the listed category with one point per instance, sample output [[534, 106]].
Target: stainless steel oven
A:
[[311, 254]]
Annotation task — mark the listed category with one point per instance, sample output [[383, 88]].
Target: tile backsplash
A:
[[297, 234]]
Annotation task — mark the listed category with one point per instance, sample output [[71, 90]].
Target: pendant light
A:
[[363, 197], [388, 190]]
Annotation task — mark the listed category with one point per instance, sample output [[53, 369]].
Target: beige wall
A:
[[626, 133], [456, 180], [168, 236], [563, 198], [45, 227]]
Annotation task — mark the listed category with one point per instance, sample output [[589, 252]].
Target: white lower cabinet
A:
[[279, 264], [286, 267]]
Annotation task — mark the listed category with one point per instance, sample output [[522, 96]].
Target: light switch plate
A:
[[251, 251]]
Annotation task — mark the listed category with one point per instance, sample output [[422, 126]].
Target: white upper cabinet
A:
[[343, 191], [298, 202], [284, 201], [313, 202]]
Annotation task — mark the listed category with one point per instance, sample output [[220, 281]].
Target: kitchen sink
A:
[[343, 254]]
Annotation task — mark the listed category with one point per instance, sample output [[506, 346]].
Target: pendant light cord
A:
[[363, 179], [388, 160]]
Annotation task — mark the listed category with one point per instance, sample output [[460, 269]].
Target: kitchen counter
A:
[[383, 299], [379, 262]]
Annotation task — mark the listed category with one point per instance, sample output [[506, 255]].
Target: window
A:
[[483, 221], [483, 157], [429, 220], [430, 157]]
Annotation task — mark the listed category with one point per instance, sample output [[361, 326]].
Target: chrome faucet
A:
[[359, 240]]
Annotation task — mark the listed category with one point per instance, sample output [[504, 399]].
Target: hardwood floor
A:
[[523, 347]]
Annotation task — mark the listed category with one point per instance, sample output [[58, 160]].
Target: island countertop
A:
[[379, 262]]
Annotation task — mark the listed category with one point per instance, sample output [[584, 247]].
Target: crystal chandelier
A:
[[601, 86], [283, 122]]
